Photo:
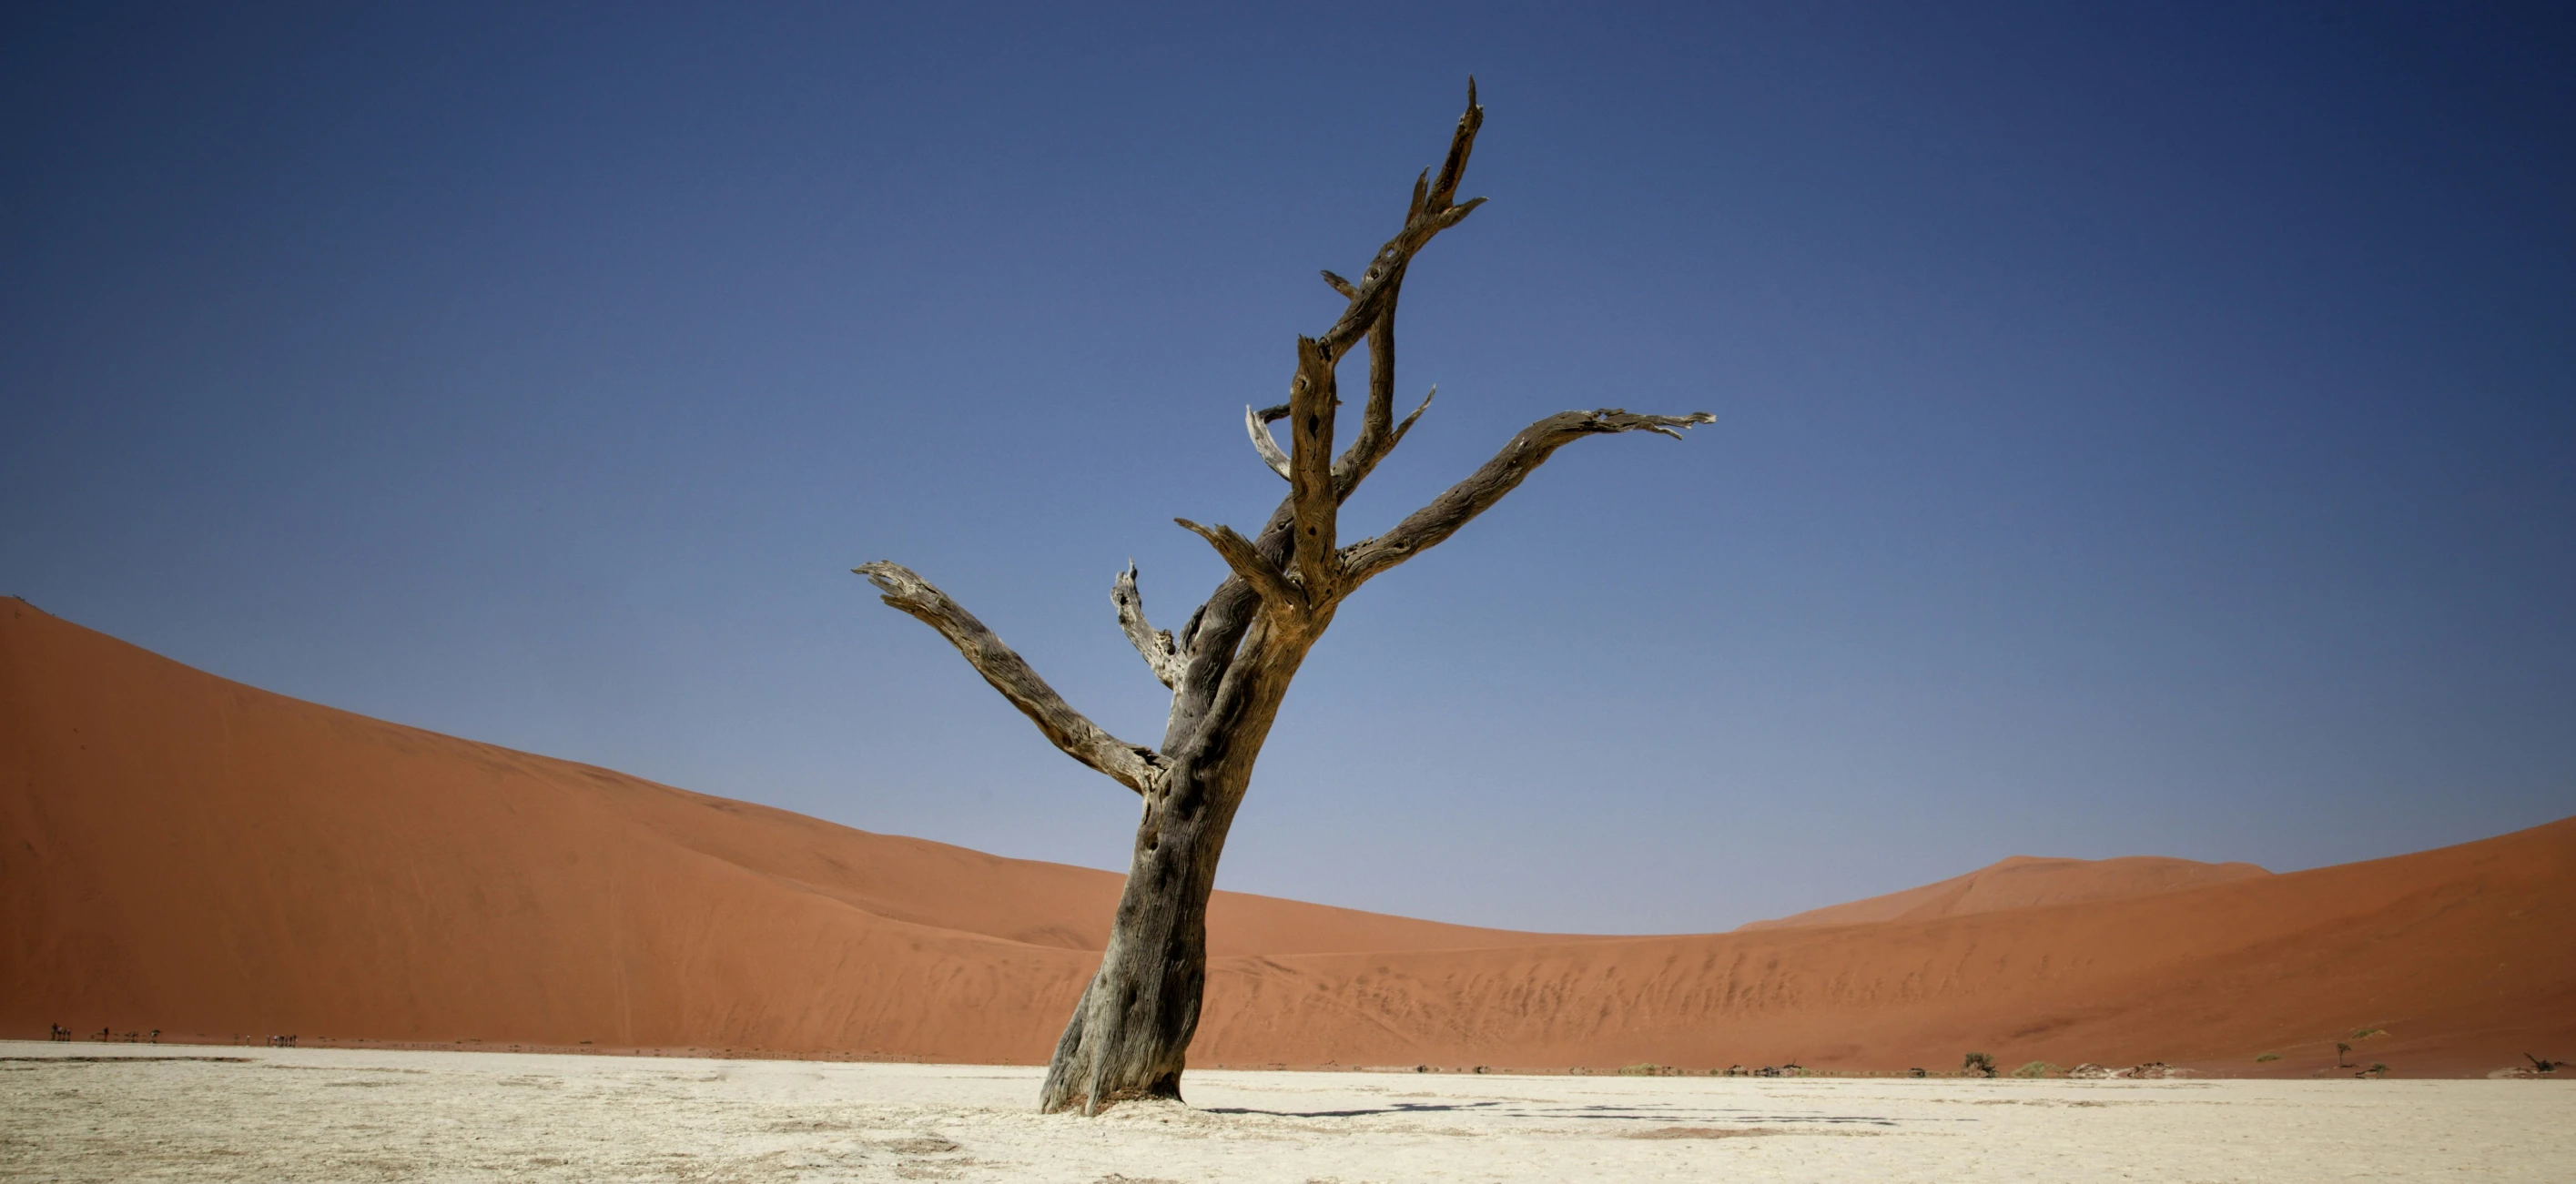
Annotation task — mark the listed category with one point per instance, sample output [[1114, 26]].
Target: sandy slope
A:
[[185, 853], [2458, 953], [2023, 882], [190, 854]]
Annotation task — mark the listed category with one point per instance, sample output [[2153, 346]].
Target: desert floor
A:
[[122, 1112]]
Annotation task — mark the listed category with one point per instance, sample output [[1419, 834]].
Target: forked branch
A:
[[1434, 523], [1435, 208], [1258, 565], [1155, 645], [1132, 765], [1249, 565], [1371, 312]]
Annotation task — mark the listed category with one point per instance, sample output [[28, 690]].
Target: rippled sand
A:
[[116, 1112]]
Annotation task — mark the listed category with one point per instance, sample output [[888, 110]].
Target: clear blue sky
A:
[[2143, 430]]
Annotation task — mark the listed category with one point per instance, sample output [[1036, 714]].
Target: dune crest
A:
[[2022, 882], [190, 854]]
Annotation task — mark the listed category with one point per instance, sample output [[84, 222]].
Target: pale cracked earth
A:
[[75, 1112]]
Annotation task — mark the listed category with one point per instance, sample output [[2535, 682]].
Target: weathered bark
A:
[[1130, 1035], [1131, 765], [1428, 526], [1230, 665], [1258, 424], [1155, 645]]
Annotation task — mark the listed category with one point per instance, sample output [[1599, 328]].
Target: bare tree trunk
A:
[[1130, 1035], [1231, 664]]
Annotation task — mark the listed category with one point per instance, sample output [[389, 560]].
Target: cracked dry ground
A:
[[72, 1112]]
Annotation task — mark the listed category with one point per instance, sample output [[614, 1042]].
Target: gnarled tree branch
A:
[[1225, 617], [1258, 571], [1429, 526], [1376, 436], [1435, 208], [1160, 655], [1257, 423], [1132, 765]]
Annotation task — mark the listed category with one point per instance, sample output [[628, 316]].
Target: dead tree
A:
[[1230, 665]]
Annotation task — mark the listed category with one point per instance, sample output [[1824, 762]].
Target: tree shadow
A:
[[1390, 1108], [1524, 1110]]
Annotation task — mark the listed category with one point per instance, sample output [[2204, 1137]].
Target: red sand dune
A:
[[190, 854], [2022, 882]]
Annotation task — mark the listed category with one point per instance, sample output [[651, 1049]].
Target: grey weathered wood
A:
[[1132, 765], [1155, 645], [1230, 666], [1407, 425], [1428, 526], [1250, 565], [1434, 209], [1258, 424]]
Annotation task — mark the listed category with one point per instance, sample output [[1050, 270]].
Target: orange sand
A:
[[186, 853]]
